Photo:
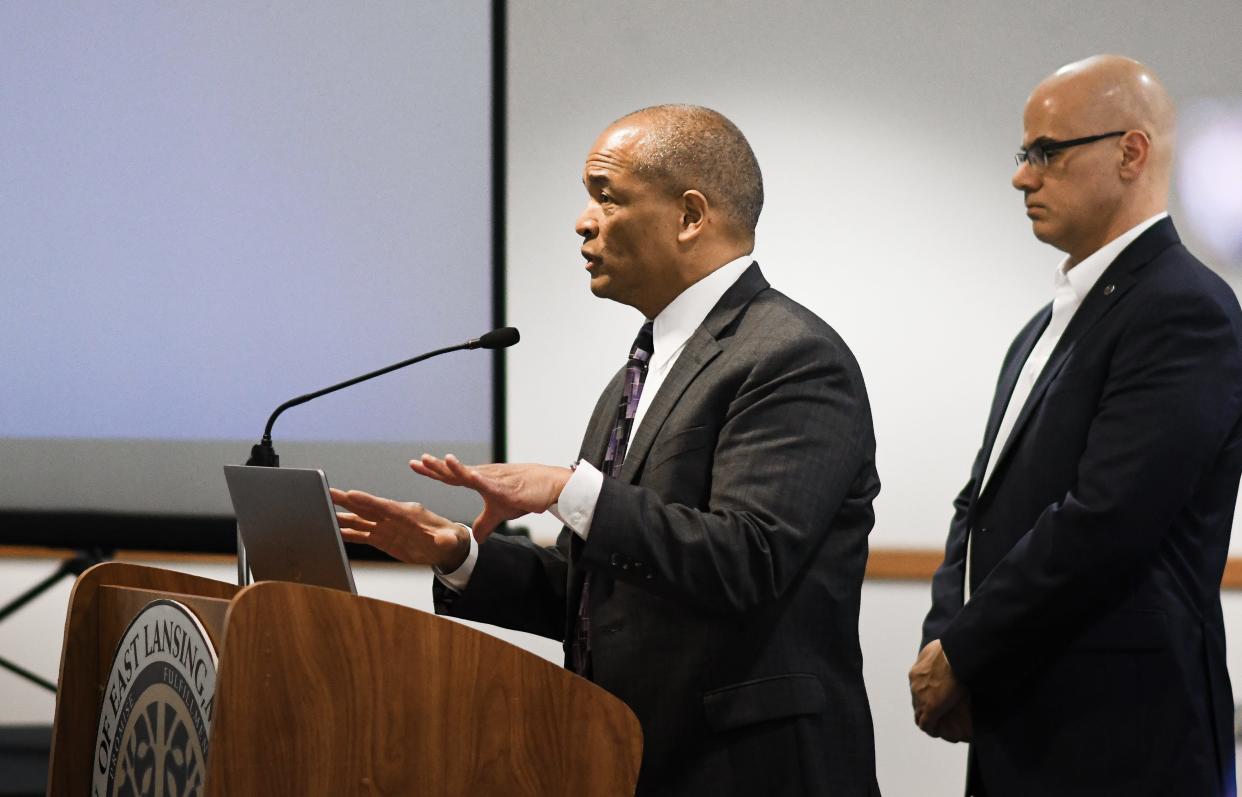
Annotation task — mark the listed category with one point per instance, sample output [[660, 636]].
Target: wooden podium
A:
[[319, 692]]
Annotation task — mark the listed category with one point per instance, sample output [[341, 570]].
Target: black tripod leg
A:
[[17, 669], [69, 567], [64, 570]]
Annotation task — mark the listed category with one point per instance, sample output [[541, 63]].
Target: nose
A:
[[586, 225], [1026, 177]]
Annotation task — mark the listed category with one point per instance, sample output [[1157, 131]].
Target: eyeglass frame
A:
[[1024, 154]]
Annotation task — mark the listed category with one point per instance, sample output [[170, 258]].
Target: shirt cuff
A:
[[459, 578], [576, 505]]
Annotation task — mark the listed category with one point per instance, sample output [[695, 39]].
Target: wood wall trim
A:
[[1233, 573], [36, 552], [884, 564], [919, 564], [903, 564]]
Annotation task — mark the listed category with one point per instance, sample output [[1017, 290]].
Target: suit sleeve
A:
[[948, 584], [1168, 404], [515, 584], [949, 581], [791, 444]]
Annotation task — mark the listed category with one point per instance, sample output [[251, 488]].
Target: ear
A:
[[1135, 149], [694, 210]]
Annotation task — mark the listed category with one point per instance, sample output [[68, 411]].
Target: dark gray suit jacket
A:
[[1093, 642], [728, 560]]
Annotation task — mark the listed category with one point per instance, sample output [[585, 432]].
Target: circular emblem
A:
[[156, 712]]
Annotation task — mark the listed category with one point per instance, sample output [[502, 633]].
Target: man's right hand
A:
[[955, 726], [406, 531], [935, 690]]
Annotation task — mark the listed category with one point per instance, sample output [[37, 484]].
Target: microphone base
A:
[[264, 456]]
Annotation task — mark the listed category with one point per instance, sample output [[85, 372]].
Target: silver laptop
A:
[[288, 525]]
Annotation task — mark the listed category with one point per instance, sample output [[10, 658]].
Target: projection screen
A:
[[206, 209]]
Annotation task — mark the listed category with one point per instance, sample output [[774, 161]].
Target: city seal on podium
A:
[[156, 713]]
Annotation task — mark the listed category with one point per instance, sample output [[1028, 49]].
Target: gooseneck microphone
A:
[[501, 338], [264, 455]]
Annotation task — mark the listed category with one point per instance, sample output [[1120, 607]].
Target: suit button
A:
[[615, 560], [625, 565], [650, 576]]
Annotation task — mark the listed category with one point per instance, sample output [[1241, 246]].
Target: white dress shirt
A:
[[1071, 285], [671, 330]]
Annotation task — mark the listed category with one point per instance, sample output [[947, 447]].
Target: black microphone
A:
[[264, 455], [501, 338]]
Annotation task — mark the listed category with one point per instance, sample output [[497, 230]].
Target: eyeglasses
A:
[[1037, 153]]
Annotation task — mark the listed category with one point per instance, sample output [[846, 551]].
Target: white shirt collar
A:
[[677, 322], [1082, 277]]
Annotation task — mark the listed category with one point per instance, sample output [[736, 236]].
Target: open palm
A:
[[508, 490]]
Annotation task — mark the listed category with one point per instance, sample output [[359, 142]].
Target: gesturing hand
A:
[[508, 491], [406, 531]]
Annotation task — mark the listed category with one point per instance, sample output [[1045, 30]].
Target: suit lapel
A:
[[1107, 293], [1008, 380], [595, 441], [702, 347]]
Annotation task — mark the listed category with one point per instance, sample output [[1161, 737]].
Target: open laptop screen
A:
[[288, 525]]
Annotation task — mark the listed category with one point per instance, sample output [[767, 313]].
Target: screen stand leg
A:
[[72, 567]]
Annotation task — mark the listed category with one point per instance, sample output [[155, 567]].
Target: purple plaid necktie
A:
[[618, 442]]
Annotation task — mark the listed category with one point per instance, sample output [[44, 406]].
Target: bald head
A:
[[1112, 92], [688, 147], [1120, 124]]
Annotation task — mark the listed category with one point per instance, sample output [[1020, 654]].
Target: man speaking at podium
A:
[[716, 522]]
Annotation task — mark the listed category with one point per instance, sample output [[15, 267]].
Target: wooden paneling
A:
[[320, 692], [324, 693], [91, 635], [119, 605]]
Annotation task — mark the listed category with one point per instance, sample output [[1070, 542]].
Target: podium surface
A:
[[322, 692]]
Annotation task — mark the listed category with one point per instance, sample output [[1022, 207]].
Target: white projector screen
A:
[[206, 209]]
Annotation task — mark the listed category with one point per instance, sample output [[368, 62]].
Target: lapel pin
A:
[[1108, 289]]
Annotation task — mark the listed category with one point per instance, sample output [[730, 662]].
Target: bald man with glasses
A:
[[1075, 637]]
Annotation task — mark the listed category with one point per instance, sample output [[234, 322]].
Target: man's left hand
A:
[[934, 690], [508, 491]]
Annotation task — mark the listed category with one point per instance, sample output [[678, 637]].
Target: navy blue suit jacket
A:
[[1093, 644]]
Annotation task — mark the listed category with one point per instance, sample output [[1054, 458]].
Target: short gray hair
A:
[[691, 147]]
